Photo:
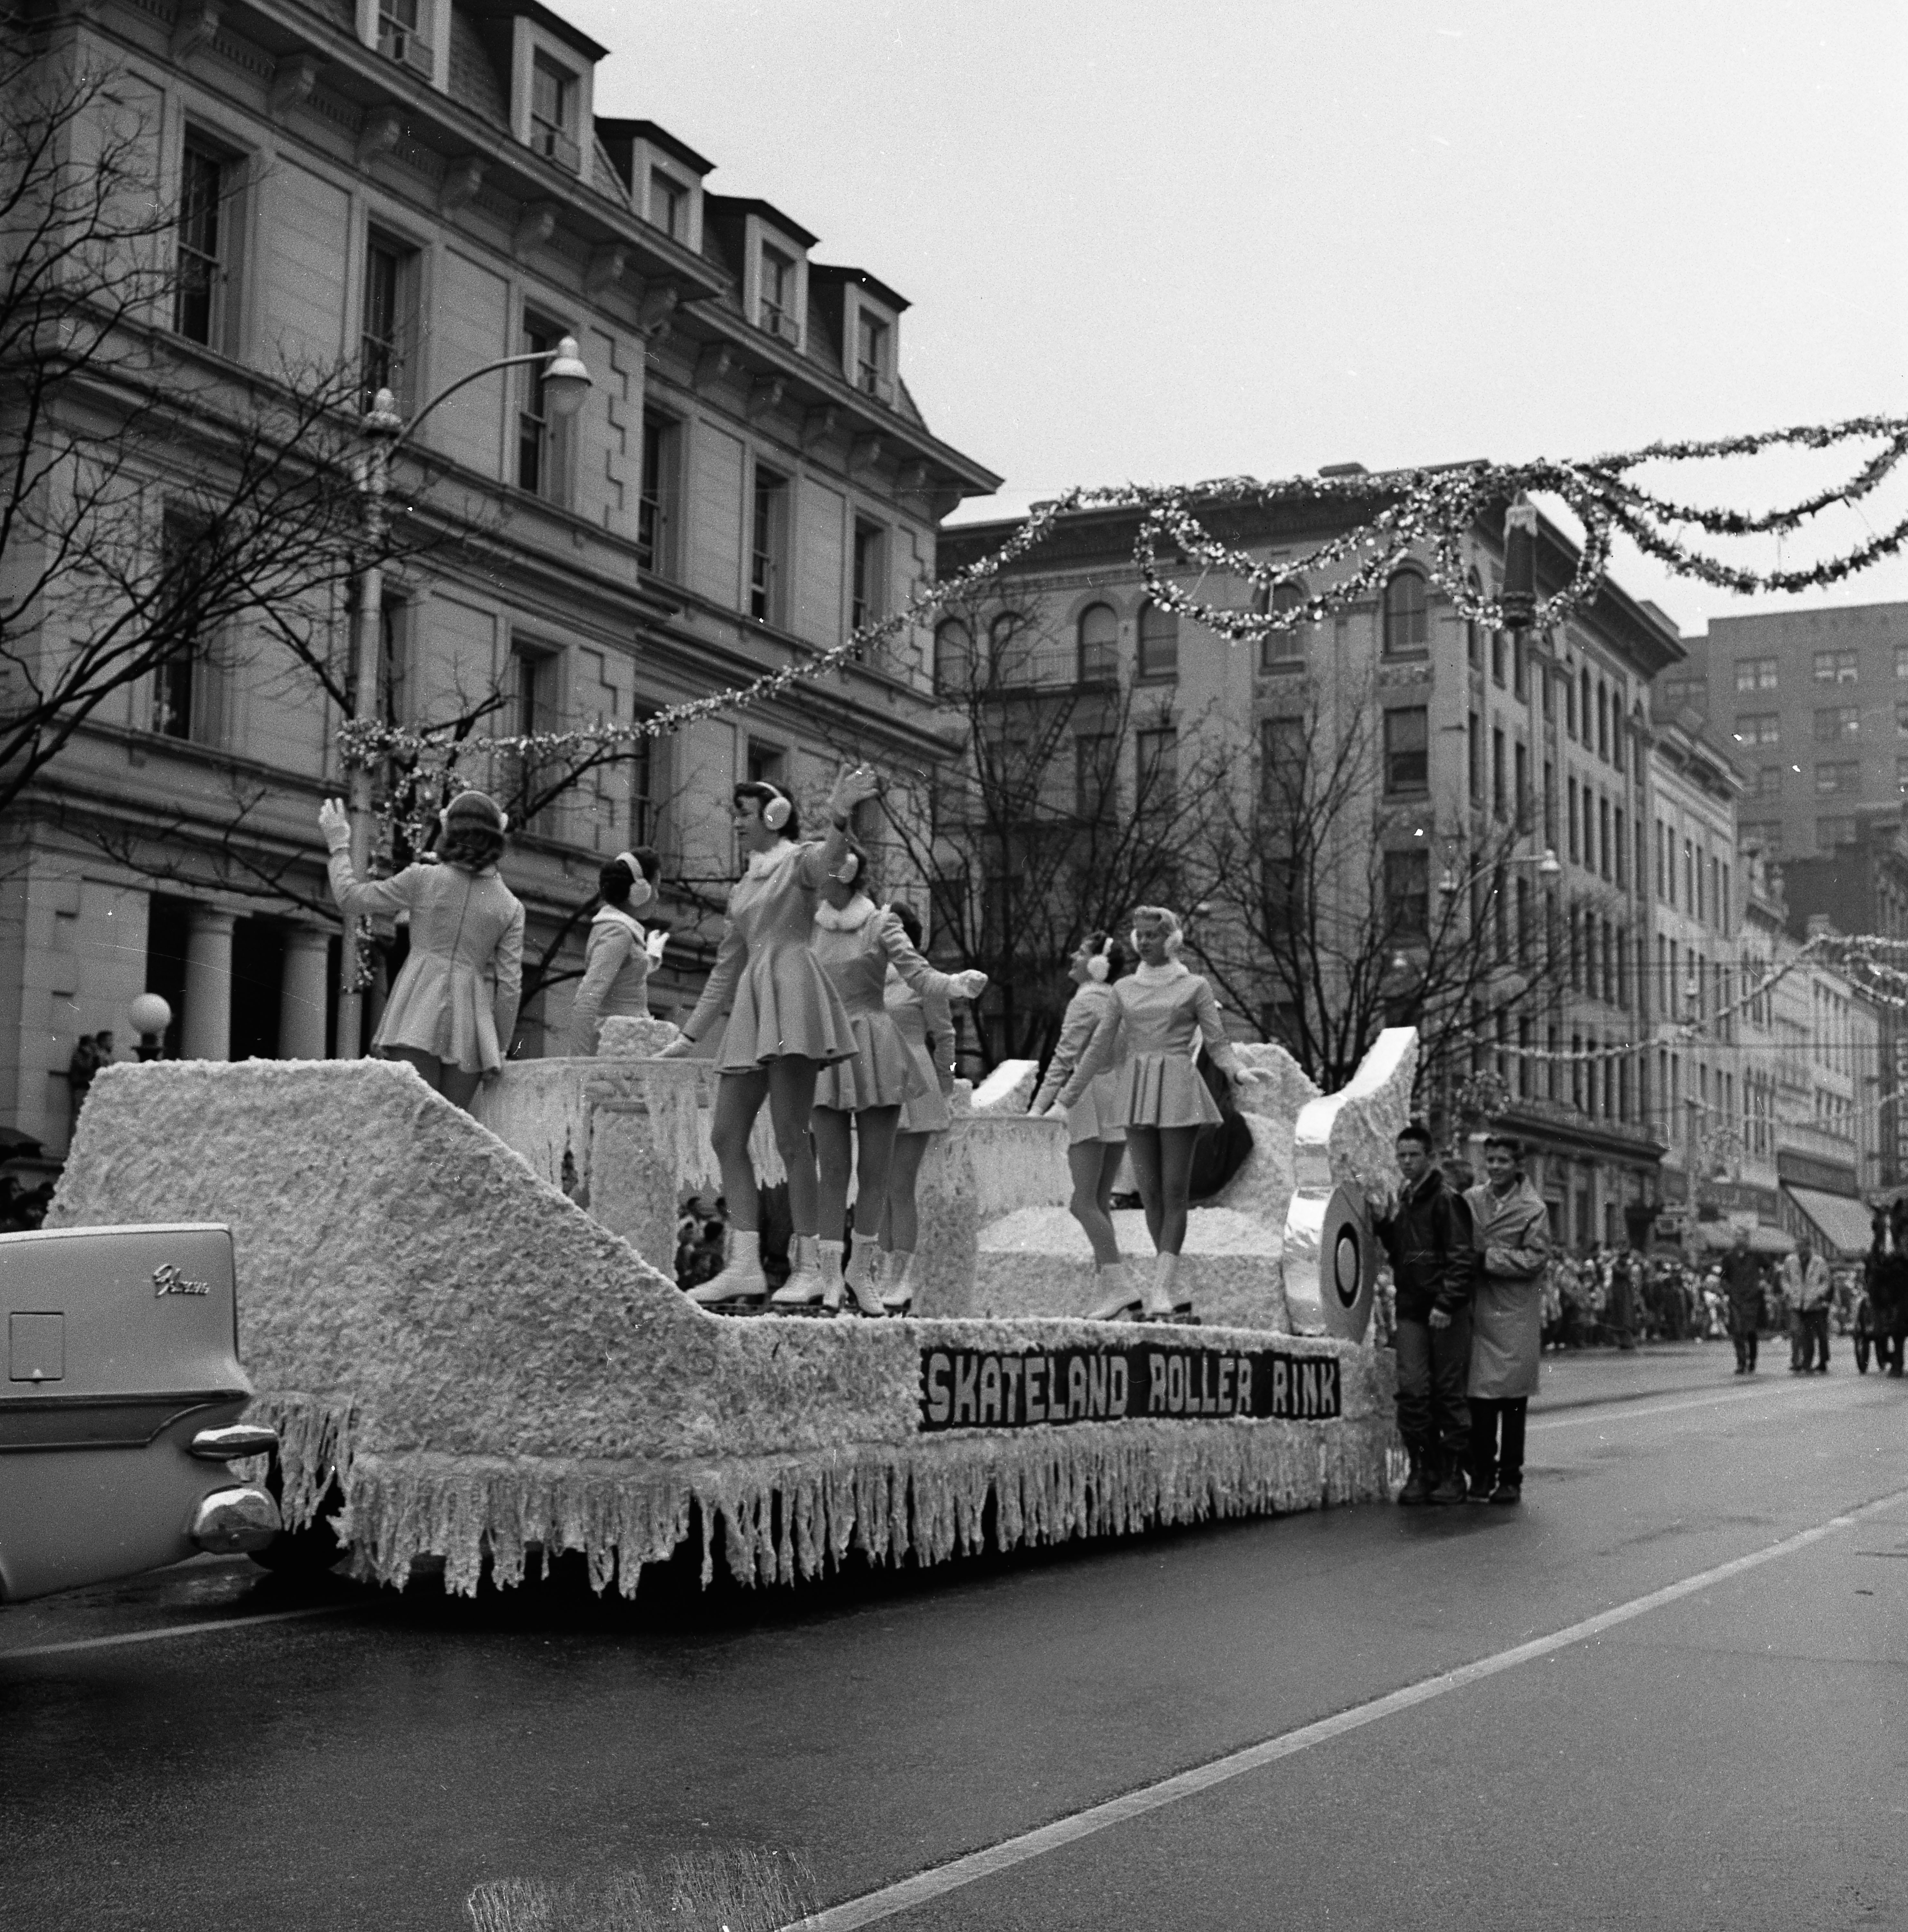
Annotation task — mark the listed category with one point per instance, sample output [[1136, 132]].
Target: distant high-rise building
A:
[[1813, 705]]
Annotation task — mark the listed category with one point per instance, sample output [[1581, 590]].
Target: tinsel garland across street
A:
[[1873, 961], [1405, 511]]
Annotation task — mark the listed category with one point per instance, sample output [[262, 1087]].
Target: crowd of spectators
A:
[[1618, 1297]]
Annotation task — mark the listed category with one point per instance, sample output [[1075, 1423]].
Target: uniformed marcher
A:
[[1511, 1227], [1742, 1283]]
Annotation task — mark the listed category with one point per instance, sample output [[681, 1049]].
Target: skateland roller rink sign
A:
[[974, 1388]]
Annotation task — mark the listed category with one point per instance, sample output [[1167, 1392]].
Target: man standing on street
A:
[[1511, 1227], [1742, 1284], [1805, 1288], [1428, 1240]]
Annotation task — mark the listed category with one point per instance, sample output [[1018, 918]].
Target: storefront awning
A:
[[1842, 1222]]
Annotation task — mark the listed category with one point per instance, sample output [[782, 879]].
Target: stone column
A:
[[207, 1026], [302, 993]]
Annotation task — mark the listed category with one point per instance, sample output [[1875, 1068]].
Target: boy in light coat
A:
[[1512, 1230]]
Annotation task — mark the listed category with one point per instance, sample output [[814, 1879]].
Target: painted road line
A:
[[873, 1906], [172, 1630], [1633, 1412]]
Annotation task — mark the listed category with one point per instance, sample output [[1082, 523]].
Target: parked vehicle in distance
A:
[[122, 1406]]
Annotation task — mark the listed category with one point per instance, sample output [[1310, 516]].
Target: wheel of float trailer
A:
[[311, 1551]]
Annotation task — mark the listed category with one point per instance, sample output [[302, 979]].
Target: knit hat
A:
[[477, 809]]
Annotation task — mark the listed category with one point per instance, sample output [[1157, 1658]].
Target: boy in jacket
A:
[[1428, 1237]]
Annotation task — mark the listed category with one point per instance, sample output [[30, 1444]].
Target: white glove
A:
[[653, 944], [334, 822], [970, 985]]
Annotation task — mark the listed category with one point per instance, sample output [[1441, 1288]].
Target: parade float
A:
[[463, 1331]]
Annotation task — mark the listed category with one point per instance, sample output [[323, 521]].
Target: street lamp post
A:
[[566, 382]]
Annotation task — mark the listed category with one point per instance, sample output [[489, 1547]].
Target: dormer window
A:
[[669, 205], [400, 34], [874, 361], [553, 112], [777, 298]]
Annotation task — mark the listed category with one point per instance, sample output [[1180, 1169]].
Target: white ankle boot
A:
[[830, 1252], [741, 1279], [1114, 1299], [898, 1297], [1159, 1291], [862, 1279], [803, 1292]]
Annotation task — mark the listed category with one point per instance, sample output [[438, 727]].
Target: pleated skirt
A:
[[1162, 1090], [881, 1073], [785, 1004], [1091, 1117], [441, 1005], [927, 1112]]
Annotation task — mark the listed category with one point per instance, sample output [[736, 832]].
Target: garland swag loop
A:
[[1423, 512]]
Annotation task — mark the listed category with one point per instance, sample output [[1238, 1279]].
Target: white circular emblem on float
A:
[[1331, 1259], [1346, 1269]]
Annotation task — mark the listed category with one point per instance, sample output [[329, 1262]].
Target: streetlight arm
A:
[[464, 381]]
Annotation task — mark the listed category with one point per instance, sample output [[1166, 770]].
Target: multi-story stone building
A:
[[1814, 703], [419, 188], [1477, 746], [1700, 1100], [1827, 1146], [1801, 1151]]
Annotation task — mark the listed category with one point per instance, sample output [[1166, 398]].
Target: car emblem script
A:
[[166, 1280]]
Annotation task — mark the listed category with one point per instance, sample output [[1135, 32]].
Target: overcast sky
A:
[[1164, 240]]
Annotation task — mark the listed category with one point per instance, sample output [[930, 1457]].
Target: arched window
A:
[[1159, 641], [1009, 648], [1281, 647], [953, 655], [1474, 631], [1099, 643], [1407, 621]]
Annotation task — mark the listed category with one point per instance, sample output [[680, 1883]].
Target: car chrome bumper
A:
[[230, 1522]]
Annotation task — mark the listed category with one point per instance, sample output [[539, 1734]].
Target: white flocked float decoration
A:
[[1344, 1162], [461, 1332]]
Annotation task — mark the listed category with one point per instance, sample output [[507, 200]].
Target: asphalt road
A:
[[1630, 1739]]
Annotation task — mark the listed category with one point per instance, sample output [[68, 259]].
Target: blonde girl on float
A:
[[925, 1022], [1080, 1084], [453, 1009], [857, 945], [620, 953], [1160, 1097], [786, 1022]]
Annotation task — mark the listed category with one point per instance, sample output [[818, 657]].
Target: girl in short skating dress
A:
[[856, 943], [1160, 1096], [1090, 1038], [786, 1023], [453, 1009], [619, 955], [925, 1022]]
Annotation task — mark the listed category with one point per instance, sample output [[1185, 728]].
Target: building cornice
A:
[[621, 251]]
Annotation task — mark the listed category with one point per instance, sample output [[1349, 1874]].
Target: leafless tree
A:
[[170, 522], [154, 510], [1336, 901], [1069, 803]]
